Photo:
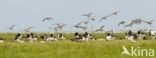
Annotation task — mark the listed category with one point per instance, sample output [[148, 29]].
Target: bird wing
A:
[[122, 22], [48, 18], [43, 20], [102, 26]]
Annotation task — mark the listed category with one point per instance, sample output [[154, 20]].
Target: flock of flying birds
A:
[[90, 17], [135, 22]]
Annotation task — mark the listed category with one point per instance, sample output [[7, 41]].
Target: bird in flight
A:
[[115, 13], [60, 26], [85, 22], [28, 29], [88, 14], [83, 27], [128, 25], [47, 18], [11, 27], [105, 17], [100, 29], [149, 22], [77, 25], [92, 18], [55, 28], [137, 21], [122, 22]]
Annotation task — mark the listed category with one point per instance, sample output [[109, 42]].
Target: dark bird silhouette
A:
[[149, 22], [11, 27], [47, 18], [100, 29], [50, 28], [77, 25], [137, 21], [60, 26], [55, 28], [129, 25], [122, 22], [85, 22], [83, 28], [92, 18], [115, 13], [87, 14], [104, 18], [28, 29]]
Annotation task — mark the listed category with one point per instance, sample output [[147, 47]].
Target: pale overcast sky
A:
[[26, 13]]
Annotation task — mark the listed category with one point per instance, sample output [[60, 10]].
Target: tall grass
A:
[[69, 49]]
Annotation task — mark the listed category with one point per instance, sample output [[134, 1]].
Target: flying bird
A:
[[11, 27], [128, 25], [85, 22], [122, 22], [50, 28], [149, 22], [100, 29], [137, 21], [115, 13], [105, 17], [47, 18], [60, 26], [92, 18], [77, 25], [28, 29], [82, 27], [55, 28], [88, 14]]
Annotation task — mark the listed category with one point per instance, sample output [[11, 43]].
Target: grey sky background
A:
[[26, 13]]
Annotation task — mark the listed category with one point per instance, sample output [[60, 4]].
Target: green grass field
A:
[[69, 49]]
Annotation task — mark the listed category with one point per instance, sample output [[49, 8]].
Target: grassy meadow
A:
[[69, 49]]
